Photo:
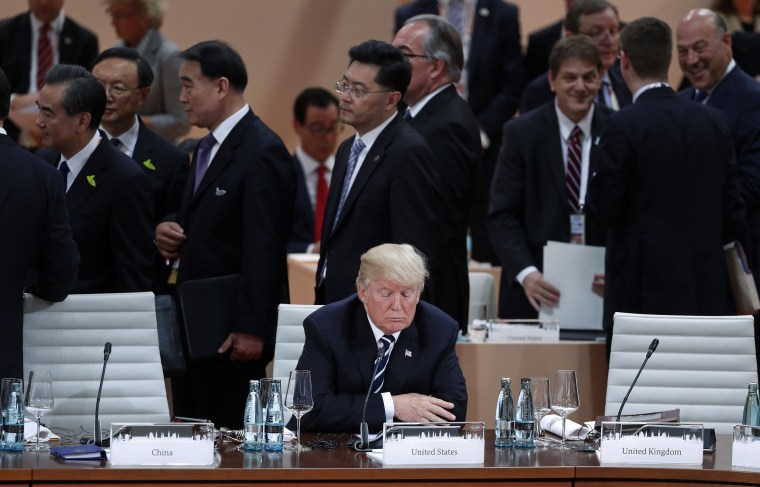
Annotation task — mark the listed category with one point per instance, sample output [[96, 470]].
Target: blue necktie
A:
[[603, 96], [353, 158], [64, 169], [377, 382], [700, 96], [203, 159]]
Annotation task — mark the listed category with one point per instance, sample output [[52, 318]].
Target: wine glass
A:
[[39, 401], [539, 389], [565, 398], [299, 401], [6, 385]]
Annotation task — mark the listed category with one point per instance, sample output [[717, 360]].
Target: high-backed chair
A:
[[68, 339], [290, 339], [482, 297], [702, 366]]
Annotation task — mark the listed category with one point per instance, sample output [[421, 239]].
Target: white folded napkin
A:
[[30, 432], [573, 430]]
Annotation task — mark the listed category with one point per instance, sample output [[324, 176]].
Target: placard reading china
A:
[[433, 444], [162, 444], [651, 443]]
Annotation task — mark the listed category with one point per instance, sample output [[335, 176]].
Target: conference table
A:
[[343, 466]]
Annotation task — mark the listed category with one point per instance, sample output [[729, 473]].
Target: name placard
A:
[[162, 444], [651, 443], [515, 331], [433, 444], [745, 451]]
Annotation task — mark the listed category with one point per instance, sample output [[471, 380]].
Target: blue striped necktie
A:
[[386, 342], [353, 158]]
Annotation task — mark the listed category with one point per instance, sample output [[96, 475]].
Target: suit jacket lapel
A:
[[221, 159], [597, 125], [431, 107], [363, 344], [94, 169], [371, 161], [66, 43], [402, 359], [24, 46], [143, 147], [553, 151]]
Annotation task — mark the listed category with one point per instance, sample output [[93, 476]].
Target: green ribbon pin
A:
[[91, 180], [149, 165]]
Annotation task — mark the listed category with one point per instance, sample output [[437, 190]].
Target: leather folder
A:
[[208, 312]]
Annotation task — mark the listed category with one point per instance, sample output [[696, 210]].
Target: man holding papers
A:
[[539, 187]]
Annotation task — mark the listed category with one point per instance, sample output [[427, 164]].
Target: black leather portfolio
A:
[[208, 311]]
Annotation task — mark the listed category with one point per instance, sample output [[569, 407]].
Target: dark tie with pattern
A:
[[385, 342], [202, 161], [353, 158], [44, 55], [573, 173]]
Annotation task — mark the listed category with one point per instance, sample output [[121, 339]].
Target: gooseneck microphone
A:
[[652, 348], [363, 443], [98, 433]]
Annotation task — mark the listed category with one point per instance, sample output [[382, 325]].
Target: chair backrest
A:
[[68, 339], [482, 297], [290, 339], [702, 366]]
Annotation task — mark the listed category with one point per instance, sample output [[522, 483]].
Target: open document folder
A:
[[571, 268]]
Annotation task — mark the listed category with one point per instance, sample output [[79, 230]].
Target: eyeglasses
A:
[[117, 91], [601, 34], [344, 87], [319, 129]]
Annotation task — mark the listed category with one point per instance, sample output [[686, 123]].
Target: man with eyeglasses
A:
[[317, 123], [383, 184], [598, 20], [433, 47], [108, 196], [127, 78]]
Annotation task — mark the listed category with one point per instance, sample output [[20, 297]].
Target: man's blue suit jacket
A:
[[340, 351]]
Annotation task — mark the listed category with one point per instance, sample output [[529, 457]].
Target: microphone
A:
[[652, 348], [363, 443], [98, 433]]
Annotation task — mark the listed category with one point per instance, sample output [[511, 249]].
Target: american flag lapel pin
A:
[[408, 353]]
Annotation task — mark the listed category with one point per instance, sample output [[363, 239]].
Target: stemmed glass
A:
[[6, 385], [565, 398], [299, 401], [39, 401], [539, 389]]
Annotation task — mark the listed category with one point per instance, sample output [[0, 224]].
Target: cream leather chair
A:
[[68, 339], [701, 366], [482, 296]]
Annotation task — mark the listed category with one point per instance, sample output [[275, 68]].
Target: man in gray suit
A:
[[137, 24]]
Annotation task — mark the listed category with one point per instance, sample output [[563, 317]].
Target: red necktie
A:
[[319, 212], [573, 174], [44, 55]]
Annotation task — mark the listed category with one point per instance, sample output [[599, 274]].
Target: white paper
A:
[[573, 430], [30, 432], [571, 268]]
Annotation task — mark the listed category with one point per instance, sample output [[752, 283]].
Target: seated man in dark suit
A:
[[127, 78], [107, 195], [417, 379], [37, 252], [598, 20], [317, 123]]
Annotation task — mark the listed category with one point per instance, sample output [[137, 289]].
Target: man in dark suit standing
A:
[[32, 42], [434, 49], [539, 188], [667, 190], [598, 20], [127, 78], [37, 251], [491, 82], [384, 183], [107, 195], [235, 218], [705, 57], [317, 123], [418, 378]]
